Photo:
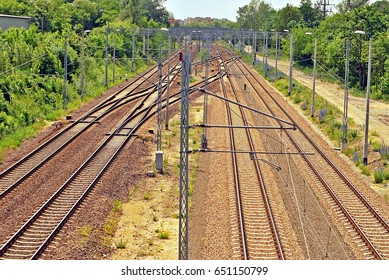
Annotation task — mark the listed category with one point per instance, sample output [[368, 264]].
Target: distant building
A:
[[174, 22], [7, 21]]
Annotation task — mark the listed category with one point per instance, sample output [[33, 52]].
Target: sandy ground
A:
[[379, 111]]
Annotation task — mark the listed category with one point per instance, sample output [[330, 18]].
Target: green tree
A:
[[256, 15], [310, 14], [287, 18], [348, 5]]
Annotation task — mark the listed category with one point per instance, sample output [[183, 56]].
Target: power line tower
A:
[[325, 7]]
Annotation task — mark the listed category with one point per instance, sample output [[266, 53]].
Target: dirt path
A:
[[379, 111]]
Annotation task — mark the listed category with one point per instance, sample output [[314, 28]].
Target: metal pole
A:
[[159, 153], [314, 81], [266, 53], [168, 84], [366, 144], [159, 102], [144, 45], [113, 66], [255, 47], [277, 39], [291, 65], [83, 66], [148, 43], [205, 117], [184, 162], [344, 145], [133, 50], [65, 63], [106, 57]]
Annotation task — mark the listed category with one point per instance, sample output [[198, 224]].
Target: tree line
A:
[[332, 31], [32, 61]]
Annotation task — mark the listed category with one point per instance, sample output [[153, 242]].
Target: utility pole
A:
[[314, 75], [291, 65], [205, 116], [133, 50], [65, 63], [106, 57], [255, 46], [82, 65], [314, 80], [324, 8], [277, 34], [366, 138], [113, 66], [366, 144], [168, 83], [184, 162], [345, 108], [148, 43], [159, 153], [266, 53]]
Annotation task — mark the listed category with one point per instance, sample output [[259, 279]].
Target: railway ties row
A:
[[258, 236], [369, 230], [20, 171], [53, 215], [48, 220]]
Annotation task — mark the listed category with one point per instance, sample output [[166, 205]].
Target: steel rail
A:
[[112, 104], [268, 208], [146, 115], [322, 180], [245, 254]]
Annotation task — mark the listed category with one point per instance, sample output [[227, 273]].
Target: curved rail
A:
[[21, 170]]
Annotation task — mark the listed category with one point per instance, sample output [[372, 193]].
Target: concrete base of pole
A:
[[344, 146], [159, 161]]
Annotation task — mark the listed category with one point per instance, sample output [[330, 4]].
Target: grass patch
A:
[[85, 230], [117, 206], [16, 138], [121, 244], [365, 170], [111, 224], [378, 176], [164, 234]]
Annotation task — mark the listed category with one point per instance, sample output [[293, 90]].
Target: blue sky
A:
[[218, 8]]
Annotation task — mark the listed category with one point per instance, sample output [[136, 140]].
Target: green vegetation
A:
[[331, 32], [163, 234], [85, 230], [328, 118], [121, 244], [147, 196], [32, 61]]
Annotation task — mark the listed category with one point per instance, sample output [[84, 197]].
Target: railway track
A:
[[33, 237], [258, 231], [21, 170], [364, 224]]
